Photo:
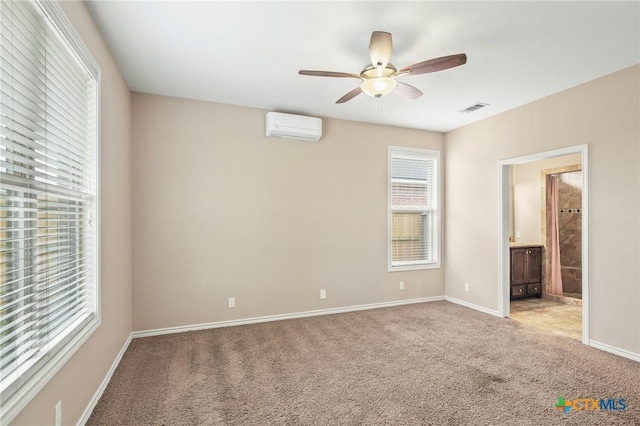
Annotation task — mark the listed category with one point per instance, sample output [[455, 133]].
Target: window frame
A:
[[396, 151], [21, 394]]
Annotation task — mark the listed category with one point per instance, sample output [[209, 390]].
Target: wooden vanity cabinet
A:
[[526, 271]]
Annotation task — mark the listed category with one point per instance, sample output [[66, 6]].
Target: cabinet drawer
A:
[[534, 289], [519, 290]]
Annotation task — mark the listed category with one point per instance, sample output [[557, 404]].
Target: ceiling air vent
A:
[[474, 107]]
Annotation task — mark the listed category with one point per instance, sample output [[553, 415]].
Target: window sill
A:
[[415, 267]]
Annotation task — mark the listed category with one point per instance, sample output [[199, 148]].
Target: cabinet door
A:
[[534, 264], [518, 266]]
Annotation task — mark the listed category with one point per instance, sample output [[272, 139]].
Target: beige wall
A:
[[528, 196], [79, 379], [222, 211], [604, 114]]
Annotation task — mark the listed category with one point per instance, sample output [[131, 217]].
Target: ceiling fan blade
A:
[[328, 74], [433, 65], [352, 94], [407, 91], [380, 48]]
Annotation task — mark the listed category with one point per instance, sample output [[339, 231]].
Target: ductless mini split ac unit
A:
[[291, 126]]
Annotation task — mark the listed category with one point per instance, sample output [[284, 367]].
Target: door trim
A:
[[503, 255]]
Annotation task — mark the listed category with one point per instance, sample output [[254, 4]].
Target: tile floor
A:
[[549, 315]]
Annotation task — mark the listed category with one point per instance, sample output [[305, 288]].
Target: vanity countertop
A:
[[525, 245]]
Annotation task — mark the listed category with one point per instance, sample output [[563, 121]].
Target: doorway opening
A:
[[543, 213]]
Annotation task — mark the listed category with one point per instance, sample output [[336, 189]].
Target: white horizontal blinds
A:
[[414, 197], [48, 187]]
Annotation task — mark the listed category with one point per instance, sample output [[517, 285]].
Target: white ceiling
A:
[[249, 53]]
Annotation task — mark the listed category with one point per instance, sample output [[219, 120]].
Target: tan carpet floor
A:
[[425, 364]]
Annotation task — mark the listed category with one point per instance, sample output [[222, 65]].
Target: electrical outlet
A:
[[466, 287], [232, 302], [58, 414], [401, 285], [323, 293]]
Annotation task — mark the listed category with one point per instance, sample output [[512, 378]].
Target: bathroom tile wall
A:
[[570, 228]]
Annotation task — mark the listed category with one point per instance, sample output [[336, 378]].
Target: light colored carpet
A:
[[425, 364]]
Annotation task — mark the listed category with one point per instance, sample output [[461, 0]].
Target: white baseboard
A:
[[231, 323], [616, 351], [96, 397], [472, 306]]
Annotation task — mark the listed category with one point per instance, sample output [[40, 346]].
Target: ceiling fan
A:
[[379, 77]]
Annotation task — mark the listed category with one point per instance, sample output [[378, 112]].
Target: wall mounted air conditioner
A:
[[291, 126]]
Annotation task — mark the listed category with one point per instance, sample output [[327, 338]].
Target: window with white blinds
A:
[[49, 201], [414, 216]]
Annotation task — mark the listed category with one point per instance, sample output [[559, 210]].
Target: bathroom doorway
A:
[[526, 221]]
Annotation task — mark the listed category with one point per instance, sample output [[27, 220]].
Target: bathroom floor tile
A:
[[549, 315]]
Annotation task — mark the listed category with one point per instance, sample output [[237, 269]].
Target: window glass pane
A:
[[408, 195], [408, 236]]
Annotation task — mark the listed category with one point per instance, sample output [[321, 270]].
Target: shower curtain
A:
[[556, 274]]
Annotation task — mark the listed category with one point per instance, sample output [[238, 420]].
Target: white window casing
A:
[[413, 208]]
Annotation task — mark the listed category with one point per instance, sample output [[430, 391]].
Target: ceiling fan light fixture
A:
[[378, 86]]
